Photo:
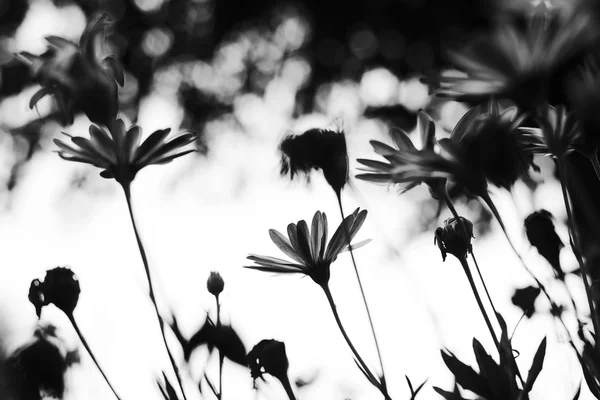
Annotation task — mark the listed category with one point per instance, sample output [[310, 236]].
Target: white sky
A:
[[200, 214]]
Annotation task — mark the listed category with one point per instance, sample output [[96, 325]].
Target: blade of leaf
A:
[[536, 366]]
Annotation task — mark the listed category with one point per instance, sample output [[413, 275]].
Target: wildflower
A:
[[406, 165], [308, 248], [455, 237], [215, 284], [492, 145], [317, 149], [60, 287], [120, 154], [525, 299], [80, 76], [559, 130], [519, 64], [542, 235]]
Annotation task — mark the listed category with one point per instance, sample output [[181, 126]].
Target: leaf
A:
[[367, 375], [467, 377], [38, 96], [536, 366], [494, 374], [448, 395], [576, 397], [168, 391], [211, 386], [413, 392]]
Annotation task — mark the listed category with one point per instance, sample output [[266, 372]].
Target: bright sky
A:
[[200, 214]]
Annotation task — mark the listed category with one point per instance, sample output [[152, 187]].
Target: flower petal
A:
[[132, 141], [357, 245], [103, 143], [89, 147], [338, 240], [402, 140], [304, 241], [171, 146], [284, 245], [38, 96], [168, 158], [323, 236], [150, 145], [316, 236]]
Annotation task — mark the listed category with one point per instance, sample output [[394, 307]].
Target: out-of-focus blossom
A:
[[80, 76], [584, 96], [398, 168], [519, 64], [119, 152], [215, 284], [542, 235], [455, 237], [491, 143], [525, 299], [559, 130], [269, 357], [309, 249], [60, 287], [317, 149]]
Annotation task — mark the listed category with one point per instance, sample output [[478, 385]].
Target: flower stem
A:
[[127, 191], [465, 265], [594, 159], [562, 173], [285, 382], [359, 359], [362, 292], [221, 357], [89, 350]]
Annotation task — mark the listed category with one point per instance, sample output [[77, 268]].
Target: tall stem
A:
[[221, 357], [89, 350], [594, 159], [465, 265], [562, 173], [127, 191], [362, 292], [359, 359]]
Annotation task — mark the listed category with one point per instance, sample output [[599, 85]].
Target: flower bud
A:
[[525, 299], [60, 287], [215, 283], [542, 235], [454, 237], [268, 356]]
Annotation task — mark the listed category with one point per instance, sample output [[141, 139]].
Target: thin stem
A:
[[221, 357], [362, 292], [483, 282], [562, 173], [127, 191], [285, 382], [89, 350], [359, 359], [465, 265], [594, 159]]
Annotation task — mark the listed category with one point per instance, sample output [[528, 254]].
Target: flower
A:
[[560, 132], [584, 95], [542, 235], [519, 64], [309, 250], [60, 287], [406, 165], [492, 146], [454, 237], [525, 299], [120, 154], [268, 357], [317, 149], [215, 284], [80, 76]]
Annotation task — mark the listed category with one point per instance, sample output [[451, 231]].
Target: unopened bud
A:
[[268, 356], [542, 235], [454, 237], [60, 287], [215, 283]]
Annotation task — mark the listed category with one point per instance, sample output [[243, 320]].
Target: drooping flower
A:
[[119, 152], [60, 287], [542, 235], [454, 237], [490, 143], [80, 76], [215, 283], [406, 165], [308, 249], [520, 64], [316, 149]]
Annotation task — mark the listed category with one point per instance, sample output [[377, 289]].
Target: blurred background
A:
[[242, 74]]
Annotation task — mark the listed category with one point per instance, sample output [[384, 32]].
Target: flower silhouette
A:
[[119, 152], [309, 249], [559, 131], [80, 76], [455, 237], [60, 287]]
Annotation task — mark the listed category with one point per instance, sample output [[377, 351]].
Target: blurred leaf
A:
[[495, 375], [413, 392], [536, 366], [448, 395], [167, 391], [577, 393], [525, 299], [467, 377]]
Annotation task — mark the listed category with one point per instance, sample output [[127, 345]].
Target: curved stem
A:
[[285, 382], [465, 265], [359, 359], [594, 159], [562, 173], [89, 350], [127, 191], [362, 292]]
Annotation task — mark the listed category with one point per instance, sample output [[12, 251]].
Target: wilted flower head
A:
[[542, 235], [560, 132], [119, 152], [308, 248], [268, 357], [60, 287], [80, 76], [519, 63], [406, 165], [491, 145], [215, 283], [317, 149], [525, 299], [454, 237]]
